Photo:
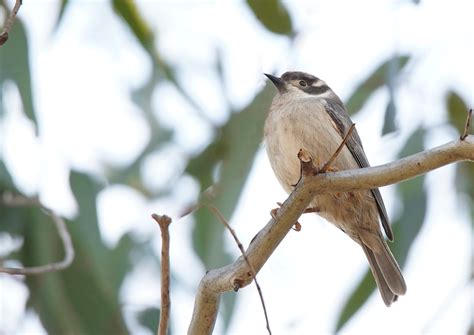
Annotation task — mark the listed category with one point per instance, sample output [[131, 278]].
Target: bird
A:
[[306, 114]]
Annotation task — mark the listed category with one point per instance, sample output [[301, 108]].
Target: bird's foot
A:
[[297, 226]]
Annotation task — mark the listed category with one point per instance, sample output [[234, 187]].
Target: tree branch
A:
[[265, 242], [9, 22], [164, 222], [19, 201]]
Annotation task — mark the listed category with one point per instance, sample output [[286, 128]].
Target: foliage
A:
[[85, 297]]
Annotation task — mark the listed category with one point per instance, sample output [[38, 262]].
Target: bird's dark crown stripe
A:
[[288, 76]]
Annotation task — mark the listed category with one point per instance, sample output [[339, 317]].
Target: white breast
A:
[[302, 124]]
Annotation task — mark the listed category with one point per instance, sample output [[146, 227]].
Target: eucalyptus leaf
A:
[[130, 13], [84, 298], [62, 9], [457, 110], [149, 318], [406, 228], [273, 15], [389, 125], [233, 151], [374, 81], [15, 67]]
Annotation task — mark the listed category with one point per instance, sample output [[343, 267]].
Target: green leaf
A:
[[273, 15], [128, 10], [62, 9], [374, 81], [389, 121], [149, 318], [6, 181], [84, 298], [406, 228], [15, 66], [457, 110], [233, 152]]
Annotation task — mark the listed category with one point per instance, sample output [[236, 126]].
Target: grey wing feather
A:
[[338, 113]]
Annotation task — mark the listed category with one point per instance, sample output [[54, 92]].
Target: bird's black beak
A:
[[278, 82]]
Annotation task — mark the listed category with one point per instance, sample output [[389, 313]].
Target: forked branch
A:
[[217, 281]]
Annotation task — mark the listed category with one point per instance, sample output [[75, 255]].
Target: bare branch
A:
[[9, 22], [265, 242], [164, 222], [244, 255], [20, 201]]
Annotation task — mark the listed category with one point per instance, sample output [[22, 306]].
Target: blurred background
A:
[[113, 110]]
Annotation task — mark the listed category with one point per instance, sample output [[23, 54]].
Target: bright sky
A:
[[82, 77]]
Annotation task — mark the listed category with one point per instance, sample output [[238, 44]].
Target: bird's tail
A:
[[385, 269]]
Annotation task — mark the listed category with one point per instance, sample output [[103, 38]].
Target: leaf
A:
[[6, 181], [83, 299], [128, 10], [391, 110], [273, 15], [14, 66], [457, 110], [149, 318], [62, 9], [233, 151], [376, 80], [406, 228], [389, 121]]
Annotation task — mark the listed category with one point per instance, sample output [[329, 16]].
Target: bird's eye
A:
[[302, 83]]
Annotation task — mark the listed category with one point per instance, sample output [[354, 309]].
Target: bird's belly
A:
[[316, 133]]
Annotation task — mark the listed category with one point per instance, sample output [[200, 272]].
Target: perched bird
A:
[[307, 114]]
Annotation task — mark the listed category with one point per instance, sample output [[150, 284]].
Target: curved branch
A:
[[18, 201], [265, 242]]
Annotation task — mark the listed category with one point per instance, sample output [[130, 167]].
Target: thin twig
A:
[[326, 166], [20, 201], [164, 222], [237, 283], [467, 126], [9, 22]]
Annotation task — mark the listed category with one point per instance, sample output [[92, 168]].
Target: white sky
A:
[[82, 77]]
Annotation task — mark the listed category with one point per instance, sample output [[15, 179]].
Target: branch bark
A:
[[164, 222], [266, 241]]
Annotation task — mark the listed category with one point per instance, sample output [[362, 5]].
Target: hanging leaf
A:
[[457, 110], [389, 121], [374, 81], [62, 9], [149, 318], [15, 66], [232, 152], [273, 15], [129, 12], [391, 110], [406, 228], [84, 298]]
